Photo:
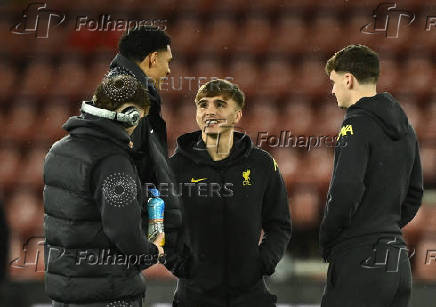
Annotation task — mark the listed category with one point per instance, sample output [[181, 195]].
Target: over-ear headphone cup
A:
[[133, 116]]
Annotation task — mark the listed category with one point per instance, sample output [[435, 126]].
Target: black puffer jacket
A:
[[150, 152], [93, 202], [4, 243]]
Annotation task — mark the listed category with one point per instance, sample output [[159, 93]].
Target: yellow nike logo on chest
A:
[[197, 180]]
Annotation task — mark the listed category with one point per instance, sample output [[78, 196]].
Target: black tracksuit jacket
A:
[[376, 186], [150, 153], [226, 205]]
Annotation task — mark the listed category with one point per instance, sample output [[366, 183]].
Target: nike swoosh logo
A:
[[197, 180]]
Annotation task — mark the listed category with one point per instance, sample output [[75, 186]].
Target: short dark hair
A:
[[102, 96], [136, 44], [359, 60], [221, 87]]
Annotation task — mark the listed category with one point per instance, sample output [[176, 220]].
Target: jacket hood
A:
[[192, 147], [87, 124], [122, 65], [386, 111]]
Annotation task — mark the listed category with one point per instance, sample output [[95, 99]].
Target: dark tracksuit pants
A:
[[368, 277], [258, 296], [120, 303]]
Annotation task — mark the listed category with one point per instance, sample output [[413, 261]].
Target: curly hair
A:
[[115, 91]]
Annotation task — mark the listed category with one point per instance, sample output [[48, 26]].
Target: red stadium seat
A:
[[296, 116], [328, 118], [428, 160], [10, 161], [409, 103], [262, 117], [20, 121], [413, 231], [325, 34], [37, 78], [288, 162], [389, 74], [30, 173], [8, 75], [312, 78], [54, 115], [216, 38], [185, 34], [304, 205], [245, 73], [277, 78], [418, 76], [428, 125], [253, 36], [24, 213], [186, 116], [290, 31], [206, 67], [72, 75]]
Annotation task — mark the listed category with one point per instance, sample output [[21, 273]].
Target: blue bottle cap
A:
[[154, 192]]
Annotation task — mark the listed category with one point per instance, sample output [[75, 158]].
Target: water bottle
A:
[[155, 206]]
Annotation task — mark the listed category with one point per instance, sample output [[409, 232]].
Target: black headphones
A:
[[129, 116]]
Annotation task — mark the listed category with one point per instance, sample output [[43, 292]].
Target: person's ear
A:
[[152, 59], [349, 80], [238, 116]]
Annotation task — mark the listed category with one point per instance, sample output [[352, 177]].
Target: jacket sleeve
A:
[[177, 244], [347, 184], [276, 221], [413, 199], [116, 191], [4, 243]]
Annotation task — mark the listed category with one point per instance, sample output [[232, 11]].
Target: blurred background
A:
[[275, 50]]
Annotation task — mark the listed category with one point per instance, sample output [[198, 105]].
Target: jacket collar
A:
[[103, 128]]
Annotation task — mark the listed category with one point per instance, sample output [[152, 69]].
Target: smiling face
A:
[[341, 88], [217, 115]]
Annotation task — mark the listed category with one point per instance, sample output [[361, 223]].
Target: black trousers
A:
[[258, 296], [116, 303], [371, 276]]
